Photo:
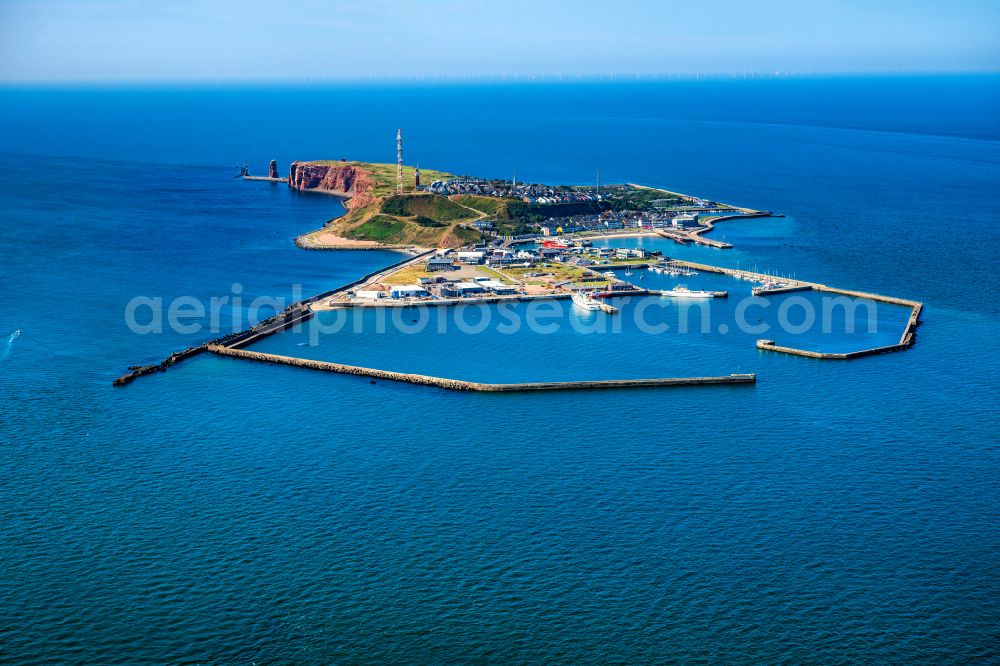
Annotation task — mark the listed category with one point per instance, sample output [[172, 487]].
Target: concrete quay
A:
[[473, 300], [463, 385]]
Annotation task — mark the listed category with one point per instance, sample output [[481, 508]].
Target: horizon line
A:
[[491, 78]]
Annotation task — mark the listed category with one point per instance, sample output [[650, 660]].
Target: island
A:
[[441, 210], [478, 240]]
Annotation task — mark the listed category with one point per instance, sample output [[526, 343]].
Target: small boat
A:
[[610, 275], [585, 301], [628, 273], [680, 291], [769, 287]]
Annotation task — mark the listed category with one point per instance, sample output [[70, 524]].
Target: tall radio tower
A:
[[399, 161]]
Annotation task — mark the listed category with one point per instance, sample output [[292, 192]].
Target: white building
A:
[[468, 288], [409, 291], [471, 257]]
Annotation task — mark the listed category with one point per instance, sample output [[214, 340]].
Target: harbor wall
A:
[[769, 345], [462, 385], [906, 340], [290, 316]]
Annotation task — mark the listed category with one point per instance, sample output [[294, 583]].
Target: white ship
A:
[[681, 291], [769, 287], [585, 301]]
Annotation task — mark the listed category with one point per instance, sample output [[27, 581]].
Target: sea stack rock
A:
[[272, 169]]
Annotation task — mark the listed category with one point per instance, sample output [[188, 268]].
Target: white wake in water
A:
[[8, 344]]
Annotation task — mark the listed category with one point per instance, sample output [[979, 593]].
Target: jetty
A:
[[709, 225], [266, 179], [693, 236], [463, 385]]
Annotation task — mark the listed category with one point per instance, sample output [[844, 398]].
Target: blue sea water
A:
[[230, 512]]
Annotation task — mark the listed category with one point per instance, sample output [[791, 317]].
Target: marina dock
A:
[[906, 340]]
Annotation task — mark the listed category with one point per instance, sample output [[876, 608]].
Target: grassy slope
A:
[[407, 219], [489, 205], [418, 219], [432, 206]]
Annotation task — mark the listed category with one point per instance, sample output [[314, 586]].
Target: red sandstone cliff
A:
[[345, 180]]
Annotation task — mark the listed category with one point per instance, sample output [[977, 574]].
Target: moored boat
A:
[[680, 291], [585, 301]]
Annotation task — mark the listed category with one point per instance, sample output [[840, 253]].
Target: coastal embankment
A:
[[694, 199]]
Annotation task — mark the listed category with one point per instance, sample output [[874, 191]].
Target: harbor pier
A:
[[906, 340]]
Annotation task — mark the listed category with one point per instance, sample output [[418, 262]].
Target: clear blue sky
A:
[[139, 40]]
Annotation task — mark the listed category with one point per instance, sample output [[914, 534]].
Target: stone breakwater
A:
[[137, 371], [462, 385], [294, 314], [290, 316]]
